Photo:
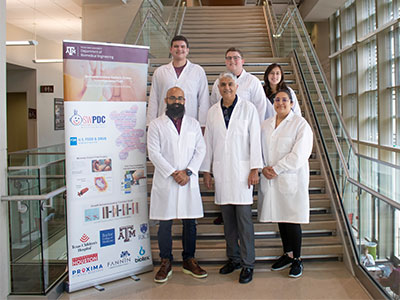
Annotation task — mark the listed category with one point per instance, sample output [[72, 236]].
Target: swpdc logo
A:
[[87, 270], [87, 121], [141, 257]]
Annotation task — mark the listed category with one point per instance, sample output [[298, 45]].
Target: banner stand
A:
[[105, 144]]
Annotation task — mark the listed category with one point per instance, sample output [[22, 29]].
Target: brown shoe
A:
[[164, 272], [190, 266]]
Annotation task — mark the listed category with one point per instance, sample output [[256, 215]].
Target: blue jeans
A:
[[188, 239]]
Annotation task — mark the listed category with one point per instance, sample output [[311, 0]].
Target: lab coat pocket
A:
[[287, 183], [285, 144]]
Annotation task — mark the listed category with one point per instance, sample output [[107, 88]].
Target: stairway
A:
[[210, 31]]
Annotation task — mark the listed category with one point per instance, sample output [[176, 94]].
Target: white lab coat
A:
[[296, 106], [170, 151], [192, 81], [287, 149], [250, 89], [233, 152]]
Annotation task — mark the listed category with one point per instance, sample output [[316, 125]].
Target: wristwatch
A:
[[188, 172]]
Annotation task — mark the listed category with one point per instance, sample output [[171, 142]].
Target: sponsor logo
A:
[[84, 238], [144, 233], [87, 270], [85, 244], [107, 237], [73, 141], [81, 260], [70, 50], [124, 259], [143, 227], [126, 233], [76, 119], [142, 257]]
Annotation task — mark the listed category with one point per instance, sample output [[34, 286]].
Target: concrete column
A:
[[4, 242]]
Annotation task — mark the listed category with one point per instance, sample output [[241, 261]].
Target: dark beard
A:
[[175, 111]]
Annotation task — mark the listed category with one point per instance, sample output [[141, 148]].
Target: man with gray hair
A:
[[233, 155]]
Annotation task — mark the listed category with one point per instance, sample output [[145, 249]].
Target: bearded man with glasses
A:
[[176, 148]]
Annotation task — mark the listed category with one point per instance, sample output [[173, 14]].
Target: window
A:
[[349, 24]]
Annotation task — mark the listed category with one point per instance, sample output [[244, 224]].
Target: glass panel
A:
[[37, 228]]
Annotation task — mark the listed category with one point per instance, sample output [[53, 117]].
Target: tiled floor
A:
[[320, 280]]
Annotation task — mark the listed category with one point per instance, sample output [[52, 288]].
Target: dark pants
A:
[[238, 225], [188, 239], [291, 238]]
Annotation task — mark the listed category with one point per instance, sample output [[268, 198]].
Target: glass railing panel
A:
[[36, 180], [38, 245], [54, 243], [380, 177], [26, 248], [38, 156]]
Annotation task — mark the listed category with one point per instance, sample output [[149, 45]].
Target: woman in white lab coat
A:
[[274, 80], [286, 141]]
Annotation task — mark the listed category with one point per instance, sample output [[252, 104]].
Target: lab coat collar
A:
[[168, 122], [287, 119], [171, 66]]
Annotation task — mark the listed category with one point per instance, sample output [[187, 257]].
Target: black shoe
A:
[[229, 267], [282, 263], [297, 268], [218, 220], [246, 275]]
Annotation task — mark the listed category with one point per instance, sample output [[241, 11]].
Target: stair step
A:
[[209, 229], [270, 253]]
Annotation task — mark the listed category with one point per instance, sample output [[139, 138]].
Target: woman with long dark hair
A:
[[274, 80]]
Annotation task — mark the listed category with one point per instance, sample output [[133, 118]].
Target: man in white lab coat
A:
[[250, 88], [176, 148], [233, 156], [182, 73]]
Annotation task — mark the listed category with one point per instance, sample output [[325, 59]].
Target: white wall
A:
[[46, 74], [4, 253], [107, 21]]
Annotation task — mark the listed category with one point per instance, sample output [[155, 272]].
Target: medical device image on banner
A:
[[105, 141]]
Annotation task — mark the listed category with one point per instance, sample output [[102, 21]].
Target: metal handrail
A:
[[47, 196], [378, 161], [269, 32]]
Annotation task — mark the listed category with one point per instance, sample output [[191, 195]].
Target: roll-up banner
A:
[[105, 141]]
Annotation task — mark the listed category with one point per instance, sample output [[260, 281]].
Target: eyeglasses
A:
[[173, 98], [283, 100], [232, 57]]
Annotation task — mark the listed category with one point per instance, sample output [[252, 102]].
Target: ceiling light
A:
[[22, 43], [47, 61]]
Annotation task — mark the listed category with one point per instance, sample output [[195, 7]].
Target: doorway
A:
[[17, 122]]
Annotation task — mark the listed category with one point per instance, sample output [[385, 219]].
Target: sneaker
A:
[[297, 268], [164, 272], [191, 266], [282, 263]]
